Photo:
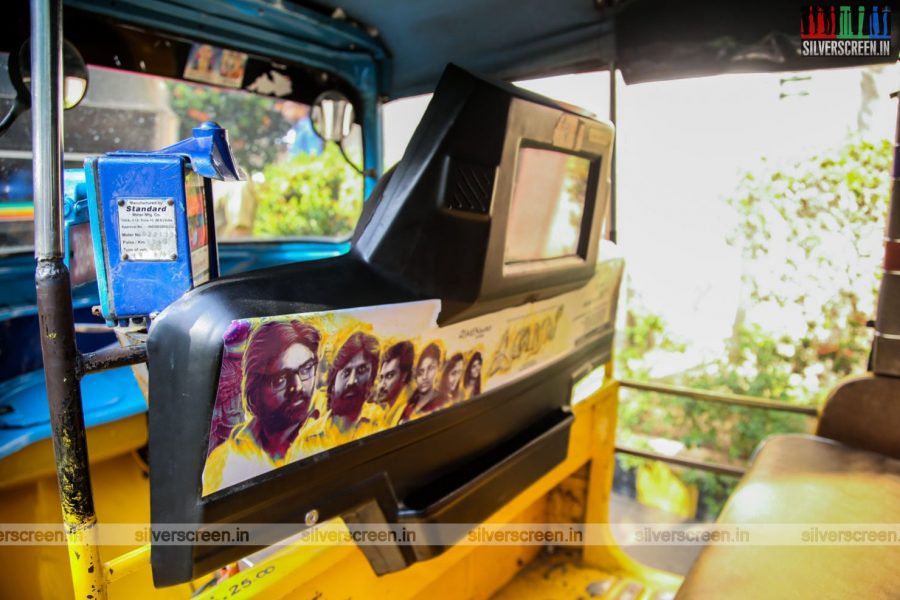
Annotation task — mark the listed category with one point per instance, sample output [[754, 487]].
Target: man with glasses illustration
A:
[[279, 368]]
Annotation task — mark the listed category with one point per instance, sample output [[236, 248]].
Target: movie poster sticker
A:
[[217, 66], [599, 306], [293, 386]]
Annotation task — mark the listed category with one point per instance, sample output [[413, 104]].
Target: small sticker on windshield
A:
[[217, 66], [272, 83], [147, 229]]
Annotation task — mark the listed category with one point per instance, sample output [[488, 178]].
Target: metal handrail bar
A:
[[112, 358], [719, 397], [718, 468]]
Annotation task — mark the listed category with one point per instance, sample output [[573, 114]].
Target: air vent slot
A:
[[469, 187]]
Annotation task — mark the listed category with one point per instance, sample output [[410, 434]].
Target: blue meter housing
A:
[[151, 216]]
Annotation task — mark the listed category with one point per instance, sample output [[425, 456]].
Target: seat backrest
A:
[[864, 412]]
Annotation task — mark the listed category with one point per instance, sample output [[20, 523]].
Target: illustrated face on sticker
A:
[[475, 369], [389, 382], [455, 375], [353, 375], [395, 372], [280, 366], [232, 64], [203, 58], [472, 379], [427, 368], [453, 372], [290, 386]]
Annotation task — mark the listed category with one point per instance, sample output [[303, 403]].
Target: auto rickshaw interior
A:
[[247, 359]]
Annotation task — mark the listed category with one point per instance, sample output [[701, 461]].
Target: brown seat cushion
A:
[[808, 480]]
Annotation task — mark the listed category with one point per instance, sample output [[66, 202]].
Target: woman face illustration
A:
[[475, 369], [455, 375]]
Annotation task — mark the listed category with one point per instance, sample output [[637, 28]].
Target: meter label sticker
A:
[[292, 386], [147, 229]]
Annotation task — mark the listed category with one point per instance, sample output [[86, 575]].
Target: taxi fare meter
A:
[[152, 224]]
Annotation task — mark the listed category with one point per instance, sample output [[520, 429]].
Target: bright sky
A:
[[681, 146]]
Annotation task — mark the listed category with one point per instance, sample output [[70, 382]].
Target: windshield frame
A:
[[130, 39]]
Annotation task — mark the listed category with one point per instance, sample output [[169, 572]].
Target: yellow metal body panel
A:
[[36, 462], [562, 575], [28, 493], [610, 557]]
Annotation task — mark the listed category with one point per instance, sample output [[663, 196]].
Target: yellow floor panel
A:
[[559, 575]]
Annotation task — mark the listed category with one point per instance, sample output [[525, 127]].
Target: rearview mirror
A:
[[75, 80], [332, 116]]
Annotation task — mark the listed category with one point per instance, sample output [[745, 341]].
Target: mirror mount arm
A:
[[22, 99], [17, 108], [19, 68], [363, 172]]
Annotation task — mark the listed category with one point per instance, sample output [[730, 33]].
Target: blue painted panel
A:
[[242, 257], [25, 417]]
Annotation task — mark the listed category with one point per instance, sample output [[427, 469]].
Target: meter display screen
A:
[[547, 206]]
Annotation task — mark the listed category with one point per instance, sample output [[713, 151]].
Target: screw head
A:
[[174, 257], [125, 257], [170, 201], [121, 203], [311, 518]]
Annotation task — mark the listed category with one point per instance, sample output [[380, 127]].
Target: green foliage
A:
[[811, 232], [828, 215], [309, 196], [644, 332], [254, 124], [303, 196]]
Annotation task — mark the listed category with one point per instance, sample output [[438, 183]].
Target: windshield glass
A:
[[297, 186]]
